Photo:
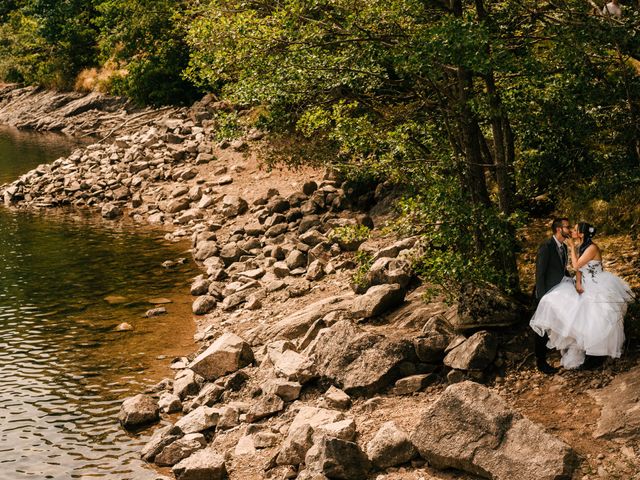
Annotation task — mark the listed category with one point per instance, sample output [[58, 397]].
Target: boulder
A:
[[390, 447], [295, 446], [295, 367], [343, 429], [620, 414], [199, 420], [414, 383], [296, 259], [337, 459], [287, 391], [227, 354], [389, 270], [138, 410], [377, 301], [180, 449], [111, 211], [334, 398], [205, 464], [203, 305], [355, 360], [266, 406], [158, 441], [169, 403], [185, 384], [177, 205], [476, 353], [437, 335], [233, 205], [471, 428]]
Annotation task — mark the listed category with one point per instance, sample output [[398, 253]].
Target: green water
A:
[[66, 281]]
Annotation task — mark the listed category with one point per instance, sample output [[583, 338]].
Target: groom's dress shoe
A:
[[547, 369]]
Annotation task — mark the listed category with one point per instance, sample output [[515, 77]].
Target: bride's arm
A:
[[579, 288]]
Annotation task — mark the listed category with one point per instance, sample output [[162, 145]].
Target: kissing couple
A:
[[581, 316]]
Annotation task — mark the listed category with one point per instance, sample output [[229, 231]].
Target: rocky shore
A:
[[318, 357]]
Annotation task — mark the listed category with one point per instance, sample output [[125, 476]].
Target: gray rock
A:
[[286, 390], [229, 418], [295, 367], [160, 439], [390, 447], [155, 312], [111, 211], [227, 354], [203, 305], [177, 205], [343, 429], [205, 250], [138, 410], [169, 403], [471, 428], [337, 459], [199, 420], [355, 360], [334, 398], [438, 334], [233, 205], [296, 259], [414, 383], [620, 414], [185, 384], [312, 237], [266, 406], [205, 464], [476, 353], [315, 271], [209, 395], [280, 269], [200, 286], [377, 301], [180, 449], [295, 446], [389, 270]]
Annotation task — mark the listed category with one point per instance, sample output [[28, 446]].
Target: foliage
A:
[[364, 260], [350, 234]]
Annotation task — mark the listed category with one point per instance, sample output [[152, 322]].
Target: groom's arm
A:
[[542, 260]]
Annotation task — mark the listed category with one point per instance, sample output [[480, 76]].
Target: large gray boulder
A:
[[620, 415], [390, 447], [436, 336], [471, 428], [357, 361], [377, 301], [337, 459], [475, 353], [205, 464], [227, 354], [180, 449], [139, 410], [199, 420]]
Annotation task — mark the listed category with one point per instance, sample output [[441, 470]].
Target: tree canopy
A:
[[473, 107]]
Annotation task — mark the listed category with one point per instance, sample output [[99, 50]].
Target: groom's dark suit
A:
[[551, 267]]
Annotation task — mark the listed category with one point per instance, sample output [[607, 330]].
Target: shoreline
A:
[[276, 282]]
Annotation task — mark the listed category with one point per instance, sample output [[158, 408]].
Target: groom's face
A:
[[566, 230]]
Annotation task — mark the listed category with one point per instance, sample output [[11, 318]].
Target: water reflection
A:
[[63, 369]]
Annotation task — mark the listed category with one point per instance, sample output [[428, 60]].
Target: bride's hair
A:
[[589, 231]]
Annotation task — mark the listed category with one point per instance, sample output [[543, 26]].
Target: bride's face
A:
[[575, 234]]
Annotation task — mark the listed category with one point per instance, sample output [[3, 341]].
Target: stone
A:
[[229, 418], [180, 449], [414, 383], [357, 361], [286, 390], [200, 286], [205, 250], [620, 414], [314, 417], [476, 353], [203, 305], [343, 429], [160, 439], [295, 446], [266, 406], [437, 335], [185, 384], [334, 398], [177, 205], [295, 367], [226, 355], [124, 327], [111, 211], [209, 395], [315, 271], [296, 259], [233, 205], [245, 446], [205, 464], [312, 238], [390, 446], [266, 439], [473, 429], [280, 269], [169, 403], [388, 271], [377, 301], [138, 410], [337, 459], [155, 312], [199, 420], [296, 324]]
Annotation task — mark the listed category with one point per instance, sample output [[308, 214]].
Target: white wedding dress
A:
[[590, 323]]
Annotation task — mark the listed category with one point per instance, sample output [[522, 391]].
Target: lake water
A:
[[66, 281]]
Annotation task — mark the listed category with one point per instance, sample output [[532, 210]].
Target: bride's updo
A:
[[589, 231]]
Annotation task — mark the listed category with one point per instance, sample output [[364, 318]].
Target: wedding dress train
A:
[[590, 323]]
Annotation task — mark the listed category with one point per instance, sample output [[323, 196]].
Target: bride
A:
[[584, 316]]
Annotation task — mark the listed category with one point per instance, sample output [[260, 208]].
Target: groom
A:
[[551, 268]]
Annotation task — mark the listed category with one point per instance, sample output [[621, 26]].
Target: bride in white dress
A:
[[584, 316]]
